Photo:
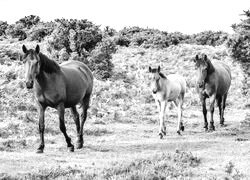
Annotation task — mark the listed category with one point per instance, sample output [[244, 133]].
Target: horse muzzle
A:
[[201, 84], [29, 84], [154, 91]]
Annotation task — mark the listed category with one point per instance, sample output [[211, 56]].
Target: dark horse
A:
[[58, 86], [213, 82]]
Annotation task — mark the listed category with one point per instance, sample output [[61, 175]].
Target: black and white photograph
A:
[[125, 90]]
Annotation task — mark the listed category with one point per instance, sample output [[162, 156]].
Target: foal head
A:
[[202, 66], [32, 65], [155, 76]]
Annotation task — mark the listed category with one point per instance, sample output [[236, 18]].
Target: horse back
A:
[[224, 77], [178, 80], [175, 86], [78, 80]]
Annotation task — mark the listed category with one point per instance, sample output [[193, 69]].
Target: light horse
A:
[[213, 82], [58, 86], [166, 89]]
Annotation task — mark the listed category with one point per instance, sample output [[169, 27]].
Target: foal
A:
[[166, 89]]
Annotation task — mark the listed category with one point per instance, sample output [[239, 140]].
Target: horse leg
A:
[[41, 127], [212, 101], [85, 106], [162, 130], [204, 110], [224, 98], [219, 103], [77, 122], [61, 111]]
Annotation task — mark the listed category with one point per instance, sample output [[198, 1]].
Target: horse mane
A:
[[210, 66], [162, 75], [48, 65]]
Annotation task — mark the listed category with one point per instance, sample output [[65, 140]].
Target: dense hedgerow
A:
[[136, 36], [210, 38], [153, 38]]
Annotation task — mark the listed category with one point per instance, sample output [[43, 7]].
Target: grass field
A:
[[120, 136]]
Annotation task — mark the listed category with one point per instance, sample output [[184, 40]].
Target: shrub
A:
[[122, 40], [108, 31], [29, 21], [75, 36], [239, 47], [239, 42], [40, 31], [3, 27], [210, 38], [16, 31], [148, 38], [100, 59]]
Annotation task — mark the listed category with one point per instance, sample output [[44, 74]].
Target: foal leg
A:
[[61, 111], [77, 122], [204, 110], [162, 130], [41, 127], [212, 101], [180, 126], [85, 106]]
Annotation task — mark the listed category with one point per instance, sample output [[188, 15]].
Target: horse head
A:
[[155, 77], [32, 65], [202, 66]]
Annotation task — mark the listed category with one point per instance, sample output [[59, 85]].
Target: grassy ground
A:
[[121, 139]]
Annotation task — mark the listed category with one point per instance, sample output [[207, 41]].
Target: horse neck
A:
[[47, 80], [43, 78]]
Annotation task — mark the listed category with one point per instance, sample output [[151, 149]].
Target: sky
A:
[[186, 16]]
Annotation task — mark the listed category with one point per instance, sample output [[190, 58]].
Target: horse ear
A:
[[37, 49], [24, 49], [159, 68], [196, 58], [149, 69], [205, 57]]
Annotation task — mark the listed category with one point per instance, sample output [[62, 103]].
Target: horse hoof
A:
[[79, 145], [211, 128], [182, 128], [161, 135], [222, 125], [71, 148], [39, 151], [179, 132]]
